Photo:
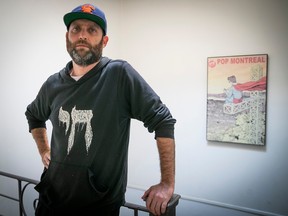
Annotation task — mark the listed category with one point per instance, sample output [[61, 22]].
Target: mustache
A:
[[82, 42]]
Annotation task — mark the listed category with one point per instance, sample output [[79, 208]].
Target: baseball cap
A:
[[89, 12]]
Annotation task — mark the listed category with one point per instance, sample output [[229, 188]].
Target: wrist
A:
[[170, 183]]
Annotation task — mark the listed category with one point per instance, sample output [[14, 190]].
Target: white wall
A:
[[168, 42]]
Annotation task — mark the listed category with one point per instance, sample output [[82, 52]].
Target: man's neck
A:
[[78, 70]]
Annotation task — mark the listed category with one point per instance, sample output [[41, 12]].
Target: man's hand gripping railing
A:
[[170, 211]]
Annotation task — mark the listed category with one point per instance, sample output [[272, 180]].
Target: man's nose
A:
[[83, 35]]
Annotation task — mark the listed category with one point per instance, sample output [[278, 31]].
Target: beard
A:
[[84, 57]]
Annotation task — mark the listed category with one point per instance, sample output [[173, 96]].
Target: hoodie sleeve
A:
[[37, 113], [144, 104]]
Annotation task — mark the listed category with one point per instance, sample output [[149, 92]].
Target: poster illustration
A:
[[236, 99]]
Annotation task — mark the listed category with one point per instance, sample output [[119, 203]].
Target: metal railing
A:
[[23, 183], [21, 190]]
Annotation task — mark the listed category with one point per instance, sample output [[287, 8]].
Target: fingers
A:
[[146, 194], [46, 159], [163, 207], [155, 203], [156, 207], [157, 198]]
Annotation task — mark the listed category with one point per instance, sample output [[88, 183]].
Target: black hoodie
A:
[[91, 124]]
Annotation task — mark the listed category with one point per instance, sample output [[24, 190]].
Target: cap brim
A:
[[70, 17]]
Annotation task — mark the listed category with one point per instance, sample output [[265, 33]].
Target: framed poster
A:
[[236, 99]]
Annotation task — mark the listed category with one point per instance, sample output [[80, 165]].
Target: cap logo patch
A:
[[87, 8]]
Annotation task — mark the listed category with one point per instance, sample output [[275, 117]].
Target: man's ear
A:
[[105, 40]]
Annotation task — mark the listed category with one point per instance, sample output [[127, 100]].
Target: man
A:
[[90, 104], [233, 95]]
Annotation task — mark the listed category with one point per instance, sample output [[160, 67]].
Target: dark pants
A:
[[42, 210]]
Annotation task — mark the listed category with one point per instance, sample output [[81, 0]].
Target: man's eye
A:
[[75, 29], [92, 30]]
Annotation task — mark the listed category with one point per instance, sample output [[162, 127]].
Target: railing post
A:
[[20, 195], [135, 212]]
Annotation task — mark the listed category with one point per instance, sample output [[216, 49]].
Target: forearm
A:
[[41, 139], [166, 148]]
